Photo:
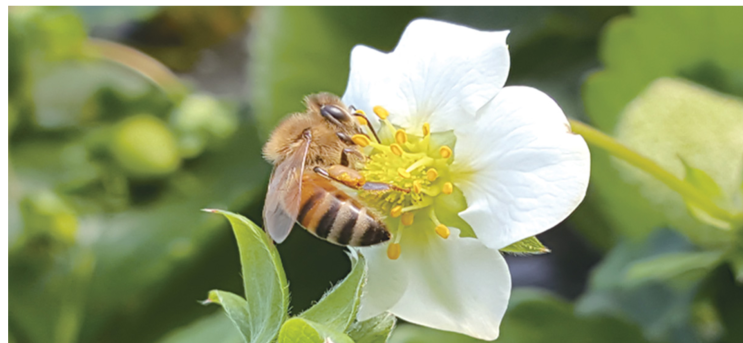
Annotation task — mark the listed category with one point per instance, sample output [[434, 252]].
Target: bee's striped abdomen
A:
[[331, 214]]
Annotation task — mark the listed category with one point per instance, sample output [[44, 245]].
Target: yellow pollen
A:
[[361, 112], [407, 218], [381, 112], [426, 129], [448, 188], [396, 149], [393, 251], [401, 137], [361, 140], [442, 231], [417, 186], [403, 173], [432, 174], [445, 151], [396, 211], [362, 121]]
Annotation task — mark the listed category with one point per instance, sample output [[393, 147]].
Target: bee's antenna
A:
[[368, 123]]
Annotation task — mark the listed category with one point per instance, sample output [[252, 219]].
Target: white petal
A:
[[455, 284], [386, 282], [446, 70], [437, 72], [369, 68], [523, 170]]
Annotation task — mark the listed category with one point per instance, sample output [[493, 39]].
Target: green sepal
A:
[[736, 264], [299, 330], [707, 185], [529, 245], [373, 330], [266, 290], [337, 309]]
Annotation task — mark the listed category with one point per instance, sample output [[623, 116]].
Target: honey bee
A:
[[308, 150]]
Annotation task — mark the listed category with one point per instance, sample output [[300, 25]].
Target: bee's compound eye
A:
[[333, 111]]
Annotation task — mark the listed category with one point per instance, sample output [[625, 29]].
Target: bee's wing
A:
[[284, 194]]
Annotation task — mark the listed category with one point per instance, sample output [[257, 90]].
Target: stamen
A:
[[442, 231], [401, 137], [381, 112], [448, 188], [426, 129], [403, 173], [361, 112], [422, 162], [396, 211], [361, 140], [393, 251], [396, 149], [407, 218], [432, 174], [445, 151]]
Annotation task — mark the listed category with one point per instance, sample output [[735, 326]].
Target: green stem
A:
[[686, 190]]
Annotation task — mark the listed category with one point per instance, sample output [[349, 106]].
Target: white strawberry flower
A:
[[487, 166]]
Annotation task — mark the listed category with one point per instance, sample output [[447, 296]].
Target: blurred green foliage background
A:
[[125, 121]]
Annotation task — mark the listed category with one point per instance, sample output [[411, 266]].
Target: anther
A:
[[417, 186], [448, 188], [403, 173], [442, 231], [362, 121], [432, 174], [361, 112], [381, 112], [393, 251], [396, 149], [426, 129], [407, 218], [445, 151], [401, 137], [361, 140], [396, 211]]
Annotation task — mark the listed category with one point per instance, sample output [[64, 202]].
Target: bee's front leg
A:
[[344, 156]]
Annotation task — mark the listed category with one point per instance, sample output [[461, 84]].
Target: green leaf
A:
[[216, 328], [237, 310], [373, 330], [686, 266], [302, 50], [662, 311], [529, 245], [298, 330], [266, 288], [707, 185], [337, 309]]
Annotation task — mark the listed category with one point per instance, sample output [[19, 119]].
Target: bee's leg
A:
[[352, 178], [344, 156]]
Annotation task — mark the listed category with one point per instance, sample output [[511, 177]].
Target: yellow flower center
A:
[[416, 164]]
